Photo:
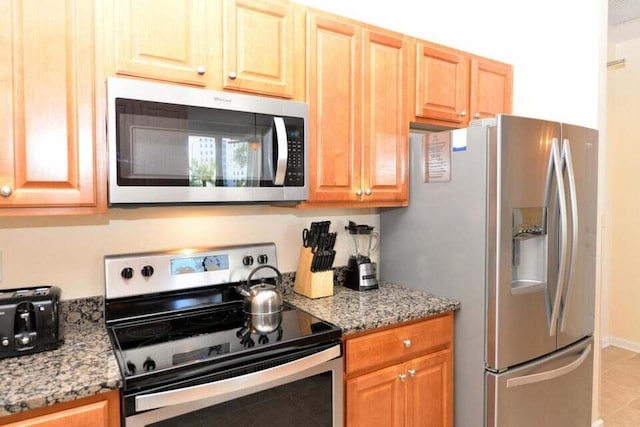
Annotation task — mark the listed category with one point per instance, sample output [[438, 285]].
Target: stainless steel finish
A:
[[613, 63], [402, 377], [281, 138], [201, 70], [463, 114], [549, 375], [262, 298], [562, 202], [492, 238], [233, 75], [198, 97], [178, 402], [406, 342], [554, 391], [476, 115], [170, 405], [412, 373], [367, 192], [359, 192], [5, 191], [162, 280]]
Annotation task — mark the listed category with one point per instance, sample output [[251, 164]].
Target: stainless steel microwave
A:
[[176, 145]]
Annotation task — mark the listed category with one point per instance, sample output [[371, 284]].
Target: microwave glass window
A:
[[172, 145]]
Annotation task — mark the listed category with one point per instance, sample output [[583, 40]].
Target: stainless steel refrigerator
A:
[[502, 217]]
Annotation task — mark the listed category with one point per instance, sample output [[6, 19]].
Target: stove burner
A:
[[151, 330]]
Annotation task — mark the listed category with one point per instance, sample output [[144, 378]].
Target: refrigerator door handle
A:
[[556, 166], [566, 159], [549, 375]]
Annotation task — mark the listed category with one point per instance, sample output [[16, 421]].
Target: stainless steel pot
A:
[[262, 298]]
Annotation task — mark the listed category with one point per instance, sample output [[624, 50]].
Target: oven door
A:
[[306, 391]]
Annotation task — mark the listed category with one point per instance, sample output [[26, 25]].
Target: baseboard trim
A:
[[598, 423], [620, 342]]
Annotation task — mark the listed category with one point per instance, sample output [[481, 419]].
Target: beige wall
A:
[[68, 252], [622, 313]]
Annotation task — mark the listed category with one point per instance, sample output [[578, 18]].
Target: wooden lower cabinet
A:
[[412, 390], [101, 410]]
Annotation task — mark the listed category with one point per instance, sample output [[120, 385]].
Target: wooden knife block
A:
[[309, 284]]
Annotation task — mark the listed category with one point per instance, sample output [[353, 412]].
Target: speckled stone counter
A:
[[84, 365], [355, 311]]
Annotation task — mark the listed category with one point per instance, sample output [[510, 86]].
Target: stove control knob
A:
[[149, 365], [263, 259], [127, 273], [24, 340], [147, 271], [131, 367], [5, 342], [247, 260]]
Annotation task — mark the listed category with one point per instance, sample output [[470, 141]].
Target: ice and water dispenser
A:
[[529, 251]]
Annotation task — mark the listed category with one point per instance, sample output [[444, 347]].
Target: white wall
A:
[[554, 46]]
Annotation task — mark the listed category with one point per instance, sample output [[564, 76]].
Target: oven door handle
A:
[[283, 152], [235, 384]]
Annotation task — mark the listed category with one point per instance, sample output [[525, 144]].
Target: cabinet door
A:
[[442, 84], [259, 46], [94, 414], [491, 88], [47, 92], [334, 84], [430, 390], [161, 39], [377, 399], [386, 129]]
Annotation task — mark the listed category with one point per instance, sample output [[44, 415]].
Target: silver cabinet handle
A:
[[402, 377], [476, 115], [463, 114], [406, 342], [412, 373], [233, 75], [359, 192], [5, 191], [368, 191], [201, 70]]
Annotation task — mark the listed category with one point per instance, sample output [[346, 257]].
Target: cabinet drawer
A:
[[399, 343]]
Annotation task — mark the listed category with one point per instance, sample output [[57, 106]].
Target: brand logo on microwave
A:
[[221, 99]]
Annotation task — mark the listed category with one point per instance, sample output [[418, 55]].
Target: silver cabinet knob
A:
[[368, 191], [402, 377], [359, 192], [476, 115], [406, 342], [201, 70], [233, 75], [412, 373], [463, 114], [5, 191]]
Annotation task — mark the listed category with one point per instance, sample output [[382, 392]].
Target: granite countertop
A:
[[84, 365], [355, 311]]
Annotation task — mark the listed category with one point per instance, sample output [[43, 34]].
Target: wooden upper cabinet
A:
[[386, 130], [491, 88], [442, 84], [258, 47], [161, 39], [453, 87], [357, 88], [47, 100], [335, 97]]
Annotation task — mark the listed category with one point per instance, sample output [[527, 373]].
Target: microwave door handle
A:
[[283, 152]]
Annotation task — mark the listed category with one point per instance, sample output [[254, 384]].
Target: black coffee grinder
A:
[[361, 272]]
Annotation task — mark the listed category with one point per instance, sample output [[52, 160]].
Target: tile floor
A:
[[620, 388]]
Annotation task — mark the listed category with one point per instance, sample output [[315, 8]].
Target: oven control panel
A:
[[129, 275]]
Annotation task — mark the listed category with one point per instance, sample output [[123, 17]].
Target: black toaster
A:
[[29, 320]]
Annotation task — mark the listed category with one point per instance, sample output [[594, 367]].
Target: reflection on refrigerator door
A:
[[554, 391]]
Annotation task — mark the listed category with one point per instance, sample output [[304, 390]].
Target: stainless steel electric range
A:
[[191, 355]]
